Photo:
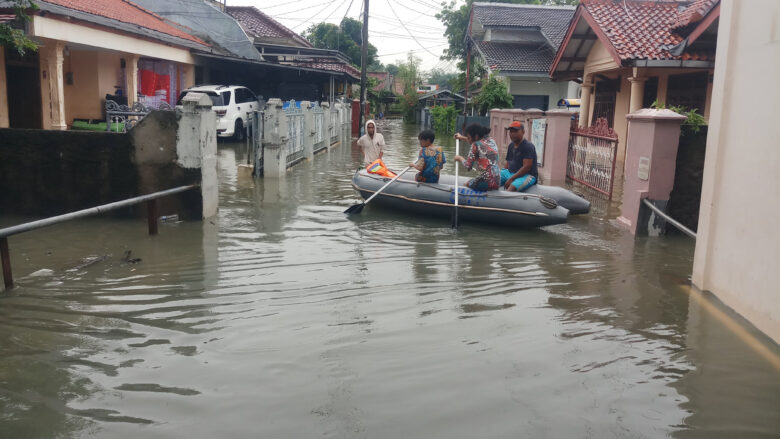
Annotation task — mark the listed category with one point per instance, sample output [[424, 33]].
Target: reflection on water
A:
[[283, 318]]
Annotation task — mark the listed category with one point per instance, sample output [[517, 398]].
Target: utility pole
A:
[[363, 65]]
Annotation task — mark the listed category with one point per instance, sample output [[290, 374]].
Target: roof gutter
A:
[[693, 64], [274, 65]]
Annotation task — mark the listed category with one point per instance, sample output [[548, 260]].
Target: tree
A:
[[345, 38], [409, 75], [441, 78], [11, 36], [493, 95], [392, 69]]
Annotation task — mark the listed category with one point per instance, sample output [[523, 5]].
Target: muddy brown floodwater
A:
[[282, 318]]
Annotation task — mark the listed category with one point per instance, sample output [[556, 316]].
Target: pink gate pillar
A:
[[651, 157], [556, 147]]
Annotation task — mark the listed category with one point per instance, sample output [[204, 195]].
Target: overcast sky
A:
[[390, 35]]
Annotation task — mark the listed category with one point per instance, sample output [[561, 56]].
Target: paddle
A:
[[357, 208], [455, 212]]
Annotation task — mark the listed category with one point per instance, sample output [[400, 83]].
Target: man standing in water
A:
[[372, 143], [521, 171]]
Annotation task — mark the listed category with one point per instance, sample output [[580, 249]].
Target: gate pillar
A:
[[556, 147], [651, 157], [274, 140]]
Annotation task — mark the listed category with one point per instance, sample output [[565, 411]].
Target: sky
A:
[[394, 26]]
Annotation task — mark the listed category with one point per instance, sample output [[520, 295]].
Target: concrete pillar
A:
[[4, 118], [131, 78], [308, 130], [653, 137], [52, 85], [663, 86], [587, 87], [274, 140], [356, 128], [188, 80], [637, 93], [196, 146], [556, 147]]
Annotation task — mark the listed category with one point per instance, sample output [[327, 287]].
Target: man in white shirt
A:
[[372, 143]]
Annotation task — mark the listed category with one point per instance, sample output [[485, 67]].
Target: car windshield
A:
[[217, 99]]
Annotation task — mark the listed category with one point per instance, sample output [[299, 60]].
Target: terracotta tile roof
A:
[[126, 12], [694, 13], [516, 57], [258, 24], [641, 29], [329, 65], [552, 21]]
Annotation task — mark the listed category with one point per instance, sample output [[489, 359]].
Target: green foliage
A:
[[444, 118], [493, 95], [409, 76], [440, 77], [15, 38], [345, 38], [694, 120], [392, 69]]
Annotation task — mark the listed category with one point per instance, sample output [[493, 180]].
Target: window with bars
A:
[[688, 90], [604, 100]]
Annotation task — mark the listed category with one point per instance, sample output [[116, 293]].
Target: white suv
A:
[[234, 106]]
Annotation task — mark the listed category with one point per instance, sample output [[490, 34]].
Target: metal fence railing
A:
[[295, 133], [151, 213], [318, 115], [592, 155]]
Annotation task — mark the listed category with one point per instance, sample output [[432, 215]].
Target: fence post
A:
[[196, 147], [308, 130], [274, 139], [257, 142], [556, 147], [8, 278], [151, 216], [653, 137]]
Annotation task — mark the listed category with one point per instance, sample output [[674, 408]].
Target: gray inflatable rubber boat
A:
[[564, 197], [519, 209]]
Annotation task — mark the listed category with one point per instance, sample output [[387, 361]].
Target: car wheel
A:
[[239, 134]]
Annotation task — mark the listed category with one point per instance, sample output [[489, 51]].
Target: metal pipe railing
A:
[[669, 219], [150, 199]]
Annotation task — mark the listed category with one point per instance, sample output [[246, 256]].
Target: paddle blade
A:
[[355, 209]]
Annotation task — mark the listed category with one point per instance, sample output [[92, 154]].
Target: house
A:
[[321, 72], [633, 53], [386, 80], [89, 50], [518, 43]]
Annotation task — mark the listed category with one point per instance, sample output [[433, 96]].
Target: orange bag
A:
[[378, 167]]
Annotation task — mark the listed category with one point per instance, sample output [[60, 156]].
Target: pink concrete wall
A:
[[653, 135], [553, 170]]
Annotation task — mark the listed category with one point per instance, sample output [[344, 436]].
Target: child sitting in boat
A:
[[483, 153], [430, 160]]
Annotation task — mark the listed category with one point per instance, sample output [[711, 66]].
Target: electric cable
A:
[[407, 30]]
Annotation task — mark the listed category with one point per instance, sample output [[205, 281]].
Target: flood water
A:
[[282, 318]]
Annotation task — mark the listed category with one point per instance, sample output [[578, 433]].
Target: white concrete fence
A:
[[288, 133]]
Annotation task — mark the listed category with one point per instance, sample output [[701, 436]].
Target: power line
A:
[[282, 14], [407, 30], [316, 14]]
